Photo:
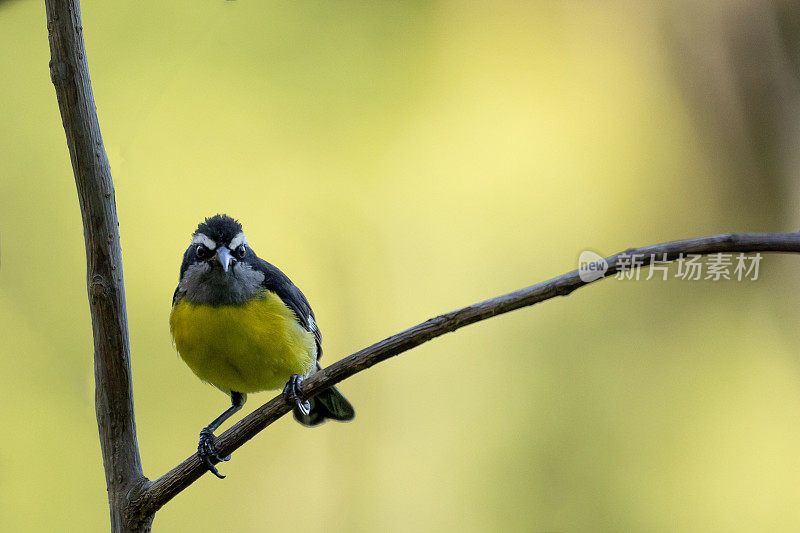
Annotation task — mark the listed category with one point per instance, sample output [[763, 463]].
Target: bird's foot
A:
[[292, 394], [208, 454]]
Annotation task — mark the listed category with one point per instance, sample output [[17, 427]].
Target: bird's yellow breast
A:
[[245, 348]]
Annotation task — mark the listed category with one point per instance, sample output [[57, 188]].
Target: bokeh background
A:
[[399, 160]]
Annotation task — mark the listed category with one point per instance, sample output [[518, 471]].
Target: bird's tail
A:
[[327, 404]]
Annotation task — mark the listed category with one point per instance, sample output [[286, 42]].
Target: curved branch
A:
[[113, 394], [157, 493], [133, 500]]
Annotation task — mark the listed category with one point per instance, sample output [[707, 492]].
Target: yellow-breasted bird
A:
[[243, 326]]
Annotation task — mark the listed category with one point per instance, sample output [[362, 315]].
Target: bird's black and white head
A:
[[218, 267]]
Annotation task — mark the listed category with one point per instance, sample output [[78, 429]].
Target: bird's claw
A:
[[292, 393], [208, 454]]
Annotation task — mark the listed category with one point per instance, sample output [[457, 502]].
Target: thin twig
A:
[[133, 500], [157, 493]]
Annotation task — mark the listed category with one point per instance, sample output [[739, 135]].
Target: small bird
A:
[[241, 325]]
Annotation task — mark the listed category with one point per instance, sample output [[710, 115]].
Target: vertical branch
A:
[[113, 392], [133, 500]]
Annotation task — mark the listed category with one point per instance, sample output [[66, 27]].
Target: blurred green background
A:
[[399, 160]]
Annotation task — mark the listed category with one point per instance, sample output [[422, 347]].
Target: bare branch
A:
[[113, 395], [134, 500], [160, 491]]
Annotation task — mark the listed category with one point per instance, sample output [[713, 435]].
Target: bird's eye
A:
[[202, 252], [240, 252]]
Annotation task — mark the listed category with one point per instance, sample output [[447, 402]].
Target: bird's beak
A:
[[224, 257]]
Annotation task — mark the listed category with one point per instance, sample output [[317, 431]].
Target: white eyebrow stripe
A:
[[236, 241], [199, 238]]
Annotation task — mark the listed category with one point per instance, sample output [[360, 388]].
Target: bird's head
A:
[[218, 265], [220, 242]]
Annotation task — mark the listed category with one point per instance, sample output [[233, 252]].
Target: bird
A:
[[241, 325]]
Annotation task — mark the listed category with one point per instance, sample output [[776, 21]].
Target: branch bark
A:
[[156, 493], [113, 393], [134, 500]]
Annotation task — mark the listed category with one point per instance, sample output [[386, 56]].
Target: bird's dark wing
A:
[[277, 282]]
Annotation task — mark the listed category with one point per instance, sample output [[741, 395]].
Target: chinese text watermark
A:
[[691, 267]]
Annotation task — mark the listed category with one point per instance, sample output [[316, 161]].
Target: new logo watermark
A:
[[690, 267], [591, 266]]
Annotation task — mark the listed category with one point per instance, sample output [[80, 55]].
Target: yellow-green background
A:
[[399, 160]]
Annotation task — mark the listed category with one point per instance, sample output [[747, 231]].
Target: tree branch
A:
[[113, 394], [133, 500], [155, 494]]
